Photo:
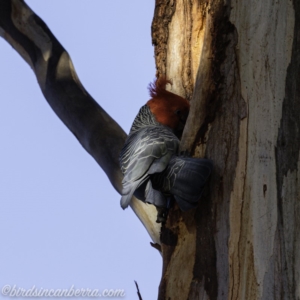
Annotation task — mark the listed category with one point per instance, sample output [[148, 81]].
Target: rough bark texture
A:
[[97, 132], [237, 62]]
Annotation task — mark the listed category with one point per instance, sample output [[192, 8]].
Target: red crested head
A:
[[168, 108]]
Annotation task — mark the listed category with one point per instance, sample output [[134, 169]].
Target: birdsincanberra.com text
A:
[[15, 291]]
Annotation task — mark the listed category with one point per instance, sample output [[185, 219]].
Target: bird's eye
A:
[[177, 112]]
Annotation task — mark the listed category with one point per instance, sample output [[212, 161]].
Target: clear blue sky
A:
[[61, 222]]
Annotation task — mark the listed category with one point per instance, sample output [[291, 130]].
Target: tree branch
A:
[[138, 291], [96, 131]]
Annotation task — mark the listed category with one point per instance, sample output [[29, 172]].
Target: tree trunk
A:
[[237, 62]]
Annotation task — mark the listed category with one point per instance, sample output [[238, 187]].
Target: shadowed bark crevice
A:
[[287, 156], [224, 109], [205, 269], [288, 143], [168, 239]]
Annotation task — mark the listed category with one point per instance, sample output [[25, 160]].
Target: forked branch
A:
[[96, 131]]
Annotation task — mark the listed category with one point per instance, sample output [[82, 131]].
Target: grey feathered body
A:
[[152, 168]]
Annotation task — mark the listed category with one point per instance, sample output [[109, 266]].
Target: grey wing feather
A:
[[145, 152], [128, 191]]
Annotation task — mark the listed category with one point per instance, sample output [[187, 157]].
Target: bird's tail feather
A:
[[185, 178]]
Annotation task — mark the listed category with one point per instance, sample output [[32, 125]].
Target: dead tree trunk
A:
[[237, 62]]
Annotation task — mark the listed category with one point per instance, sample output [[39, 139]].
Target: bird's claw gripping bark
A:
[[162, 212]]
